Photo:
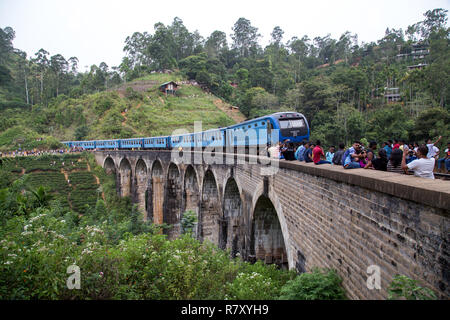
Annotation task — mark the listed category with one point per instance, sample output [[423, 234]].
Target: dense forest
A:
[[341, 85]]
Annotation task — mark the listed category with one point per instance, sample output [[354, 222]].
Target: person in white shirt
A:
[[422, 167], [274, 151], [432, 148]]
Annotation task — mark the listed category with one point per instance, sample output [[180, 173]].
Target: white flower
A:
[[8, 262]]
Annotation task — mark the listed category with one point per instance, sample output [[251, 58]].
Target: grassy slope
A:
[[117, 113]]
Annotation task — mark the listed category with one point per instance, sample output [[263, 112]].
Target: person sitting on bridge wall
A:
[[423, 167], [395, 161], [445, 159], [370, 154], [299, 154], [288, 150], [274, 151], [351, 158], [308, 152], [380, 162], [317, 154], [330, 154], [337, 158]]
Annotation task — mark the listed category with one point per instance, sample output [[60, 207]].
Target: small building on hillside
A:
[[417, 66], [392, 95], [168, 87]]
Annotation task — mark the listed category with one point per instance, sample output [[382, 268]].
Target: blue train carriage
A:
[[81, 144], [156, 142], [131, 143], [68, 144], [185, 141], [249, 133], [214, 138], [107, 144]]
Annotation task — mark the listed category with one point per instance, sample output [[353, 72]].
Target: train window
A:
[[294, 123], [263, 123]]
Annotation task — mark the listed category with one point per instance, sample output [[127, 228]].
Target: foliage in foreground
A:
[[403, 287], [318, 285], [120, 256]]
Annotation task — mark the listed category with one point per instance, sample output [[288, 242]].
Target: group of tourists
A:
[[393, 156], [35, 152]]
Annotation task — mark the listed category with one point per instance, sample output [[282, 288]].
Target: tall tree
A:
[[42, 62], [277, 36], [245, 36], [216, 43]]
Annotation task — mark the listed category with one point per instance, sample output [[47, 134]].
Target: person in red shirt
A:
[[318, 154], [396, 145]]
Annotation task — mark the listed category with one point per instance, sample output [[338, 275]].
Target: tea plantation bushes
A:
[[48, 171], [85, 190], [55, 181]]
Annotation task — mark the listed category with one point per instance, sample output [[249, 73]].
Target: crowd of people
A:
[[393, 156], [36, 152]]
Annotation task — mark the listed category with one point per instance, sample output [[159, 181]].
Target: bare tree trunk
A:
[[26, 87], [42, 85]]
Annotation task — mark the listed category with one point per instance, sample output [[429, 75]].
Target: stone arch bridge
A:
[[301, 216]]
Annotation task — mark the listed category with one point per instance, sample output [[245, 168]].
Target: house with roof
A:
[[169, 87]]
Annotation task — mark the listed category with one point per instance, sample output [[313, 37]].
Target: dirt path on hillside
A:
[[96, 179], [233, 113], [66, 176]]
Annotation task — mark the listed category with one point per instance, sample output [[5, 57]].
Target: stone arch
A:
[[141, 185], [109, 166], [210, 210], [172, 201], [266, 238], [156, 192], [232, 231], [125, 177], [191, 194]]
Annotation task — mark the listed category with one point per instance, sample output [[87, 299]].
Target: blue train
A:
[[261, 131]]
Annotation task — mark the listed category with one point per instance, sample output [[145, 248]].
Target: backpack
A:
[[337, 158]]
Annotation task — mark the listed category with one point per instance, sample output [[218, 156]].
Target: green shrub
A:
[[188, 221], [318, 285], [403, 287]]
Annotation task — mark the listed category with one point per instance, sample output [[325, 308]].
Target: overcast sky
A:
[[95, 30]]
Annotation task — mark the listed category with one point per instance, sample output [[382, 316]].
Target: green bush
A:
[[318, 285], [403, 287], [188, 221]]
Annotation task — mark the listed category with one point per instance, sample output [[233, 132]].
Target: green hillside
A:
[[135, 109]]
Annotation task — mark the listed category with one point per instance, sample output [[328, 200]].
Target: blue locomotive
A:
[[260, 131]]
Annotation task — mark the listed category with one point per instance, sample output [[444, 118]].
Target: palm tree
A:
[[42, 196]]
